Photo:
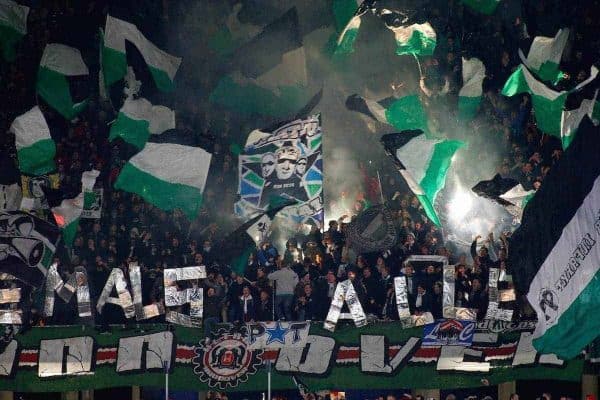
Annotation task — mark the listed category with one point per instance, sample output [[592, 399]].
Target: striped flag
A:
[[167, 175], [13, 26], [555, 253], [507, 192], [138, 119], [58, 64], [162, 65], [423, 163], [544, 56], [403, 113], [469, 96], [35, 147], [415, 39]]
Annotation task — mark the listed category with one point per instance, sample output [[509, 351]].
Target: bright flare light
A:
[[460, 205]]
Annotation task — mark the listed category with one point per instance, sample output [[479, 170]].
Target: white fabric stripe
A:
[[416, 156], [376, 109], [63, 59], [117, 31], [30, 128], [14, 15], [473, 73], [174, 163], [161, 118], [354, 23], [547, 49], [516, 194], [69, 209], [538, 88], [403, 33], [583, 224], [570, 120]]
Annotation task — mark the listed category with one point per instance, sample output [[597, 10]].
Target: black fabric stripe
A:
[[393, 141], [492, 189], [554, 205]]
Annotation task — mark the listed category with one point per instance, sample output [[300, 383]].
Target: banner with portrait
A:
[[283, 163]]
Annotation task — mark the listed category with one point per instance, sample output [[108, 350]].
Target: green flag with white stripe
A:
[[58, 63], [138, 119], [35, 147], [415, 39], [161, 64], [544, 56], [167, 175], [402, 113], [13, 26], [469, 96], [423, 163]]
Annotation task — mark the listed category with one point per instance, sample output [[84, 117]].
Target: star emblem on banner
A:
[[276, 334]]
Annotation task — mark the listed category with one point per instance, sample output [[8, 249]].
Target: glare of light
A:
[[460, 205]]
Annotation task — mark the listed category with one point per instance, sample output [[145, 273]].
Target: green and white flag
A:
[[167, 175], [544, 56], [571, 119], [402, 113], [423, 163], [548, 104], [348, 14], [58, 63], [556, 250], [469, 96], [162, 65], [416, 39], [35, 147], [138, 119], [483, 6], [68, 214], [507, 192], [13, 26]]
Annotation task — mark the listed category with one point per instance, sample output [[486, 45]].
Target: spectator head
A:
[[198, 259], [421, 288], [409, 270], [330, 276], [210, 292], [366, 272], [333, 225], [483, 252], [239, 279], [476, 284], [206, 246], [308, 289], [451, 397], [245, 291], [514, 396], [264, 295], [437, 288], [430, 270]]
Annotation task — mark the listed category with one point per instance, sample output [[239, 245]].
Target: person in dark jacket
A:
[[211, 312], [247, 307], [306, 305], [423, 300], [264, 308]]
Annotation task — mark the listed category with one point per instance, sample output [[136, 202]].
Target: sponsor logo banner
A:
[[449, 332]]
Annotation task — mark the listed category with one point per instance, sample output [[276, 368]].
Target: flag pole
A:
[[380, 188], [166, 368], [269, 380], [418, 64]]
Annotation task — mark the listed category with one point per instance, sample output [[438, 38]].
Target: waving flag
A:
[[162, 65], [67, 215], [138, 119], [469, 96], [59, 63], [35, 147], [13, 26], [423, 163], [555, 253], [507, 192], [348, 15], [415, 39], [402, 113], [544, 56], [167, 175]]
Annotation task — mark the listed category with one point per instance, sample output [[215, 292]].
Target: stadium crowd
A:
[[306, 270]]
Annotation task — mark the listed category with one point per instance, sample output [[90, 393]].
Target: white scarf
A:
[[246, 300]]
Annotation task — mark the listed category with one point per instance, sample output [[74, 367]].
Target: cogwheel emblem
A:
[[225, 360]]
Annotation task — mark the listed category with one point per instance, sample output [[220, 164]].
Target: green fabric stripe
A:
[[418, 44], [37, 159], [54, 88], [253, 99], [346, 46], [238, 264], [435, 176], [407, 113], [566, 339], [222, 42], [9, 38], [547, 112], [134, 132], [343, 11], [549, 71], [114, 65], [316, 142], [47, 256], [164, 195], [89, 198], [468, 107], [567, 139], [483, 6], [69, 232], [252, 177], [429, 209]]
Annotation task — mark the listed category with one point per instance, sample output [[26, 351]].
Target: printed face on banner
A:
[[286, 164]]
